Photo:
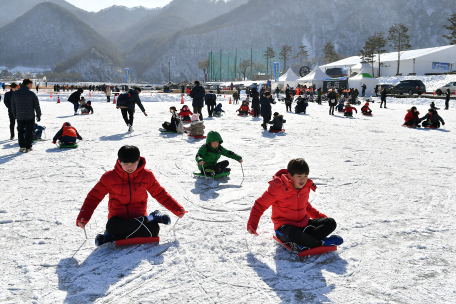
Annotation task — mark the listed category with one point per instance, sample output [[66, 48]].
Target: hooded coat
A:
[[410, 115], [266, 108], [290, 206], [198, 93], [210, 155], [127, 194], [278, 122], [67, 130]]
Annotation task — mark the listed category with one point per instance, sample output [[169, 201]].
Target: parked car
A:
[[410, 87], [380, 87], [442, 90], [148, 87]]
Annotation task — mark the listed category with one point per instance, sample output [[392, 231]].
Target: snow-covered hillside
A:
[[390, 189]]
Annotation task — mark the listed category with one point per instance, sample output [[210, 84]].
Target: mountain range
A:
[[57, 35]]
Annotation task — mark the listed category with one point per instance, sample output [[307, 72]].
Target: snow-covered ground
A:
[[391, 190]]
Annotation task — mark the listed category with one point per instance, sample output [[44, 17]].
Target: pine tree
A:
[[285, 54], [452, 29], [399, 40], [330, 53], [302, 53], [269, 54], [374, 46]]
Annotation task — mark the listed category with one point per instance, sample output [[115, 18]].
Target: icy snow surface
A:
[[390, 189]]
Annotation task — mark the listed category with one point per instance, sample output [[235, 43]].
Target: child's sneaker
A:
[[297, 248], [28, 150], [22, 150], [333, 240], [101, 239], [161, 218]]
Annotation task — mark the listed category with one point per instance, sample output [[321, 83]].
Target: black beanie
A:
[[128, 154]]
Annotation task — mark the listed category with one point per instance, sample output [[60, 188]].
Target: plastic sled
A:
[[413, 127], [210, 176], [138, 240], [274, 131], [307, 252], [186, 121], [166, 131], [197, 136], [365, 114], [85, 113], [70, 146], [429, 127], [348, 116], [244, 115]]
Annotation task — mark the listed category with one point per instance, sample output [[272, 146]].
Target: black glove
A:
[[443, 123], [38, 118]]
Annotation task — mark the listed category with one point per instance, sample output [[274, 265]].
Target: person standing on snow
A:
[[126, 103], [198, 93], [211, 102], [108, 94], [447, 99], [383, 98], [363, 92], [332, 100], [266, 108], [255, 102], [75, 98], [24, 105], [8, 97]]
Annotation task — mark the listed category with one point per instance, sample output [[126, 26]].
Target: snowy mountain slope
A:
[[270, 23], [390, 189], [48, 35]]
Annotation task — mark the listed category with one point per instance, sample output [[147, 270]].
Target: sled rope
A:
[[141, 223]]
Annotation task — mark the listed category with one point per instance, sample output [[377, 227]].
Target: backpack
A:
[[179, 126], [124, 99]]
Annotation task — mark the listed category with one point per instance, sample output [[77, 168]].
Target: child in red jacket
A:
[[412, 118], [127, 186], [185, 113], [295, 220], [365, 109], [244, 109], [348, 110]]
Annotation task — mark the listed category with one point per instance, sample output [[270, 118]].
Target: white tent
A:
[[363, 77], [315, 77], [288, 78]]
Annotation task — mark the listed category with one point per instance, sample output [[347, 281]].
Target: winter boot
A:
[[333, 240], [101, 239], [160, 218]]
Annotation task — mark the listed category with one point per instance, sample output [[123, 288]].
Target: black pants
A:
[[382, 101], [331, 110], [434, 125], [198, 110], [256, 111], [210, 109], [265, 122], [309, 236], [75, 105], [12, 124], [108, 98], [22, 126], [412, 122], [218, 168], [447, 104], [288, 105], [121, 229], [125, 113]]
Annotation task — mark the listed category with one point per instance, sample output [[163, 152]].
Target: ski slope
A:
[[390, 189]]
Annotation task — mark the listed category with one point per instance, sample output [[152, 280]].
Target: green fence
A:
[[231, 65]]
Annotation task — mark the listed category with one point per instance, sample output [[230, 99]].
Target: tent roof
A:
[[289, 76], [351, 61], [361, 65], [316, 74], [363, 74]]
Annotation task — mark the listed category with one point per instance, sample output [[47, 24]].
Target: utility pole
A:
[[220, 65], [235, 64], [251, 64]]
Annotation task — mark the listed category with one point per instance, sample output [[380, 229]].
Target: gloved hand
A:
[[54, 142], [38, 118], [443, 123]]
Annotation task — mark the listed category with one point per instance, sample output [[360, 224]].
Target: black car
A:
[[410, 87], [379, 88]]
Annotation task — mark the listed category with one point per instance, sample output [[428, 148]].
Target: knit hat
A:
[[128, 154], [276, 113]]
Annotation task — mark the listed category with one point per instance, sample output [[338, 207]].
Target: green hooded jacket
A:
[[210, 155]]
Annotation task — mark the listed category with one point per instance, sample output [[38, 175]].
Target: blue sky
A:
[[95, 6]]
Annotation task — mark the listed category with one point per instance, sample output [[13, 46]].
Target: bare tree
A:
[[285, 54], [204, 65], [399, 40], [302, 53], [243, 66]]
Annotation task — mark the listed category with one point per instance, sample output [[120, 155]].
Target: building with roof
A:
[[413, 62]]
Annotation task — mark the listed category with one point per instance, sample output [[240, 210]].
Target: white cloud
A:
[[95, 6]]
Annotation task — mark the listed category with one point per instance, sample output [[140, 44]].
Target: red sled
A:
[[138, 240], [274, 131], [197, 136], [367, 114], [430, 128], [316, 250], [409, 126]]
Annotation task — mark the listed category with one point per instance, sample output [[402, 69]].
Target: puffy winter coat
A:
[[410, 115], [108, 92], [243, 109], [8, 96], [198, 93], [185, 113], [24, 104], [67, 130], [365, 108], [210, 99], [135, 97], [332, 98], [434, 118], [290, 206], [266, 108], [75, 96], [127, 194], [218, 108], [210, 155], [349, 110], [278, 122], [255, 98]]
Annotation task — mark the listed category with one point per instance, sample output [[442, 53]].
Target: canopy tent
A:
[[363, 77], [314, 78], [357, 68], [289, 78]]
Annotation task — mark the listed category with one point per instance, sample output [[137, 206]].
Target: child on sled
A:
[[218, 110], [128, 217], [277, 122], [67, 135], [38, 131], [175, 125], [366, 110], [86, 108], [196, 127], [185, 113], [412, 118], [244, 109], [209, 154], [340, 106], [348, 110], [296, 221]]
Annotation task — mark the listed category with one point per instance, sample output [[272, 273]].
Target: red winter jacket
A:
[[184, 113], [289, 206], [350, 110], [410, 115], [127, 194], [244, 109]]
